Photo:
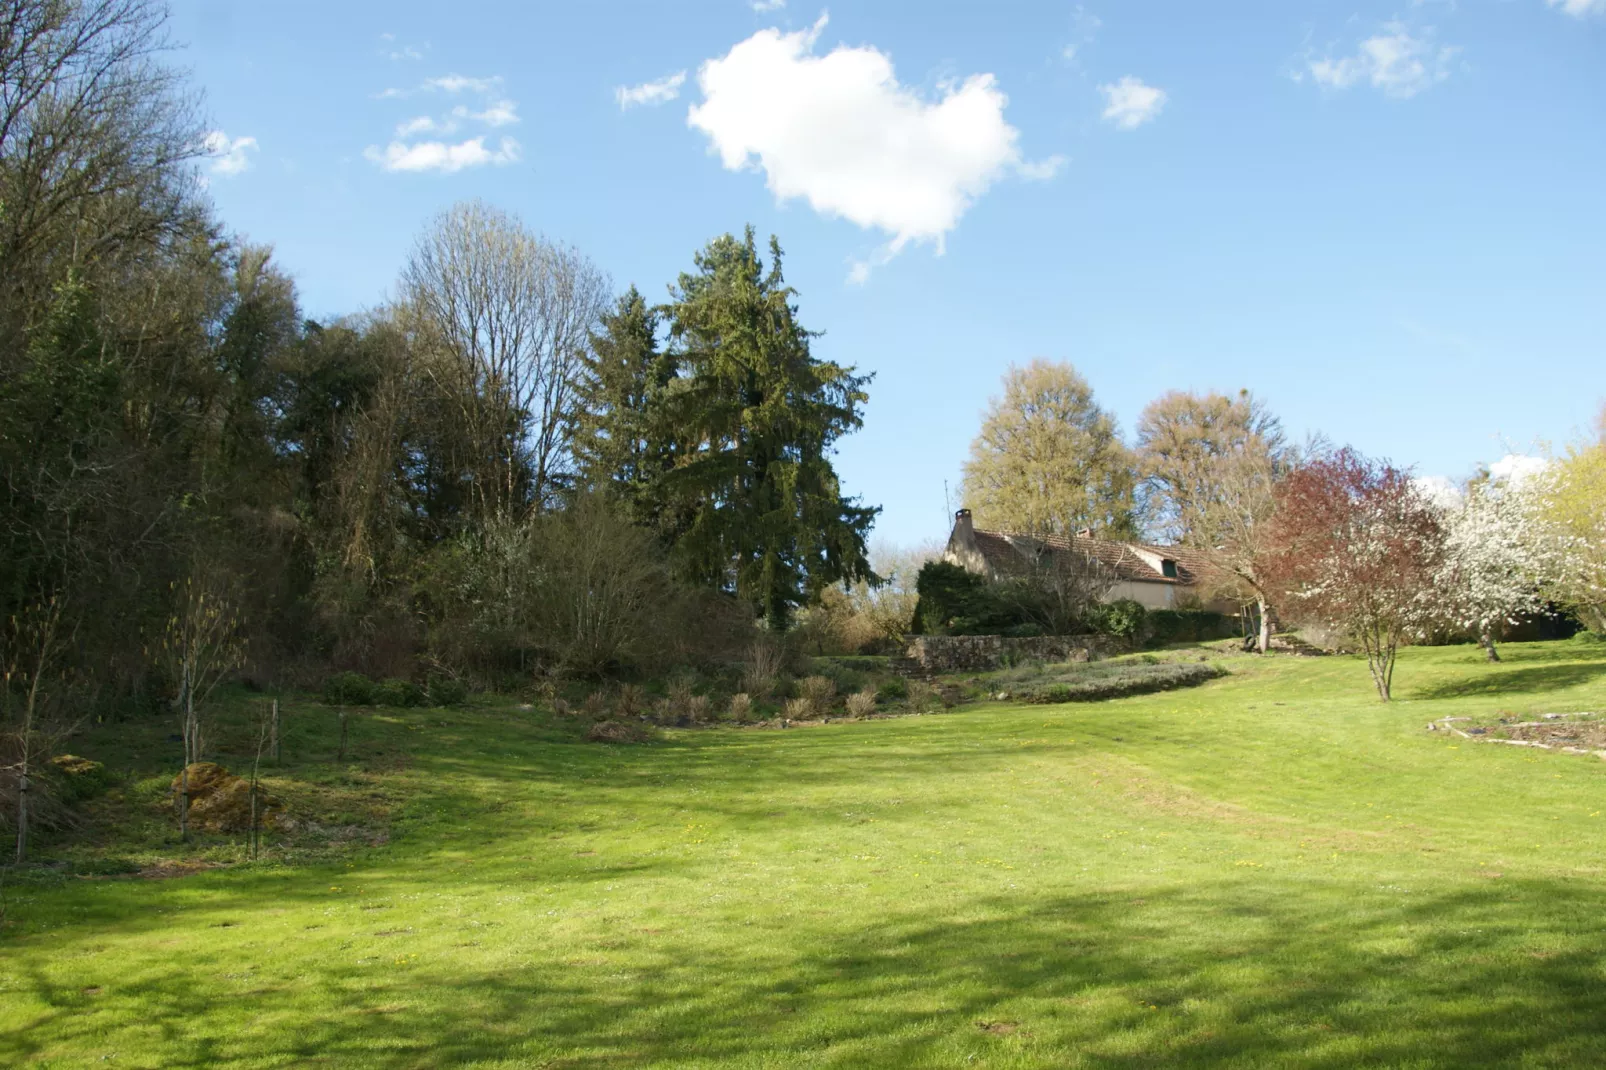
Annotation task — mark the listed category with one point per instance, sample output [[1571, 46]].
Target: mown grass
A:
[[1269, 870]]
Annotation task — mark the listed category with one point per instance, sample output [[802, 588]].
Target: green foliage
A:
[[758, 508], [893, 690], [956, 601], [1590, 638], [399, 694], [623, 443], [1122, 618], [1188, 626], [348, 689], [446, 691]]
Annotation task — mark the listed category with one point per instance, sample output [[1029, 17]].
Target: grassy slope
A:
[[1271, 870]]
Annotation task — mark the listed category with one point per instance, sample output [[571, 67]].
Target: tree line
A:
[[1306, 532], [507, 468]]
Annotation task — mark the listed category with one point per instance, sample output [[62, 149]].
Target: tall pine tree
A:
[[757, 505], [622, 442]]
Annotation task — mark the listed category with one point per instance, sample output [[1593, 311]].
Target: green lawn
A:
[[1273, 869]]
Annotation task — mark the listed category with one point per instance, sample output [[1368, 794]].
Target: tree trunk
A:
[[22, 814], [1486, 640], [1263, 641]]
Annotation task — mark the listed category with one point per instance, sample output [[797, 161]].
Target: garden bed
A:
[[1571, 733]]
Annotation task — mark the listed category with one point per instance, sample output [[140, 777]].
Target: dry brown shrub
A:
[[618, 732], [698, 709], [922, 695], [818, 691], [799, 709], [862, 703], [631, 701], [594, 706], [741, 707], [765, 661]]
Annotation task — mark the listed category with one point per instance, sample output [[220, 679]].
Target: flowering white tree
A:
[[1496, 557]]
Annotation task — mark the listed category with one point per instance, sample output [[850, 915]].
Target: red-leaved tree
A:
[[1355, 545]]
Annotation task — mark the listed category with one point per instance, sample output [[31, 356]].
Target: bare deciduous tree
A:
[[92, 130], [1210, 467], [201, 646], [509, 315], [33, 643]]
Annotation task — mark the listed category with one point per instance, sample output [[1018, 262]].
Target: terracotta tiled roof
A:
[[1008, 552]]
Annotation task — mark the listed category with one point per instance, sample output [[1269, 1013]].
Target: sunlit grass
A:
[[1269, 870]]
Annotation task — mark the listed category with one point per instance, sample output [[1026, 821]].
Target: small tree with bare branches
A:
[[201, 646], [33, 644]]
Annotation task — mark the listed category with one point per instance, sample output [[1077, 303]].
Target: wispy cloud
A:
[[1580, 8], [650, 93], [1129, 103], [442, 156], [762, 6], [1397, 61], [229, 156], [494, 111], [457, 83], [841, 132], [398, 52], [1084, 25]]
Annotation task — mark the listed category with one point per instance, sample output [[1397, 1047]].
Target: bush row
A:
[[355, 689], [1117, 680]]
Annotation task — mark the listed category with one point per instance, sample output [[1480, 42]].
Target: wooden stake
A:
[[273, 732], [342, 756]]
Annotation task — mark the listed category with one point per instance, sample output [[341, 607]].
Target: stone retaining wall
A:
[[980, 653]]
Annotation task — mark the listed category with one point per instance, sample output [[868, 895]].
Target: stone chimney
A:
[[964, 527], [962, 549]]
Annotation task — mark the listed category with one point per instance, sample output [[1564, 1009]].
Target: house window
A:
[[1168, 568]]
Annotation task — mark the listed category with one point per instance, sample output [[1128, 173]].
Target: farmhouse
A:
[[1157, 577]]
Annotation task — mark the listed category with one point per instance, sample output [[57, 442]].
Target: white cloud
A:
[[1580, 8], [1129, 103], [441, 156], [229, 157], [652, 93], [1516, 467], [497, 113], [1394, 61], [423, 124], [1438, 490], [761, 6], [457, 83], [840, 132]]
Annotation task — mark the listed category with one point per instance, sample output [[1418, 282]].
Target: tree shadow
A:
[[1239, 973], [1499, 680]]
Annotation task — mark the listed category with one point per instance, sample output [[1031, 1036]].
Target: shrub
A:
[[631, 701], [447, 691], [955, 601], [397, 693], [861, 703], [618, 732], [1189, 626], [741, 707], [698, 709], [595, 706], [1092, 683], [892, 690], [1590, 637], [763, 669], [923, 696], [799, 709], [818, 691], [1122, 618], [348, 689]]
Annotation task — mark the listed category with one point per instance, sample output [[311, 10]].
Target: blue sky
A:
[[1387, 220]]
